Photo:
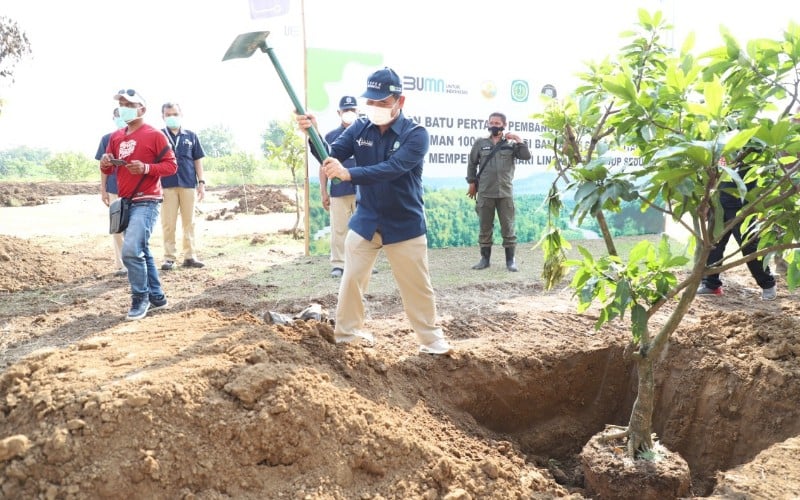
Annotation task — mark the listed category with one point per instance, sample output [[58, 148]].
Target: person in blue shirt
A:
[[182, 190], [108, 193], [341, 202], [389, 151]]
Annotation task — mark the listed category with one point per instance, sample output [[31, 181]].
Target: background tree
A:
[[290, 152], [217, 141], [14, 46], [72, 167], [274, 135], [23, 161], [682, 114]]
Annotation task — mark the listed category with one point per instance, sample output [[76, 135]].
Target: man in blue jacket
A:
[[389, 151]]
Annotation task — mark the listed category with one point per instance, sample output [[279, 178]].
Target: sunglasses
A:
[[129, 92]]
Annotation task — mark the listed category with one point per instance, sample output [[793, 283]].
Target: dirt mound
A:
[[27, 266], [19, 194], [253, 411], [259, 200]]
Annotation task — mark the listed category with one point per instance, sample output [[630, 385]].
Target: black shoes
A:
[[169, 265], [157, 303]]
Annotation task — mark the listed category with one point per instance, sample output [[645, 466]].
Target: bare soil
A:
[[207, 400]]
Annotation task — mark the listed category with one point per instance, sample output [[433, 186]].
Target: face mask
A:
[[349, 117], [496, 130], [379, 116], [119, 122], [127, 114], [173, 121]]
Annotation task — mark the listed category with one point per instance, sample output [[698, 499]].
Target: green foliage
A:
[[23, 163], [645, 279], [681, 115], [217, 141], [273, 136], [73, 167]]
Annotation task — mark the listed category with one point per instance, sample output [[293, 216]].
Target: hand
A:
[[105, 160], [136, 167], [304, 122], [326, 202], [201, 192], [514, 137], [333, 168], [104, 196], [472, 191]]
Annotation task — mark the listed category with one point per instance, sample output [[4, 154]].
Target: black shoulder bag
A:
[[119, 211]]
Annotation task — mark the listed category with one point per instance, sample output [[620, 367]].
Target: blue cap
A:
[[382, 84], [347, 102]]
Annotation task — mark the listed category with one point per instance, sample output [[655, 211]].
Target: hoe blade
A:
[[245, 44]]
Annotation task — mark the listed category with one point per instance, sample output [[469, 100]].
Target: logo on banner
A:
[[520, 91], [489, 89], [423, 83], [549, 91], [433, 85]]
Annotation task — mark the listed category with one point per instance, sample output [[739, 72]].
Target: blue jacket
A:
[[388, 174]]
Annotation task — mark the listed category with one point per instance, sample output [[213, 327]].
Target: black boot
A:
[[486, 253], [511, 264]]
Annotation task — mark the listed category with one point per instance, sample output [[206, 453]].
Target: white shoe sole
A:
[[350, 338], [158, 308], [423, 349]]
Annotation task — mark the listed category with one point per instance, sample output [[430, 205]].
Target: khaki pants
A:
[[178, 200], [341, 209], [117, 239], [409, 262]]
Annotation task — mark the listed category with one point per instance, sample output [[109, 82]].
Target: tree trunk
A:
[[640, 426], [297, 205], [607, 238]]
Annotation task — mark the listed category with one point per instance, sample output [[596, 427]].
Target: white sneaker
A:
[[439, 346], [357, 335], [769, 293]]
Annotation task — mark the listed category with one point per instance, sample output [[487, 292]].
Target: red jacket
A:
[[143, 144]]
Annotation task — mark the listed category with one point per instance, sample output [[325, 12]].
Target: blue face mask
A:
[[127, 114], [119, 122], [173, 121]]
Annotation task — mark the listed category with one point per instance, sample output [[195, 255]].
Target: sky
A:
[[83, 52]]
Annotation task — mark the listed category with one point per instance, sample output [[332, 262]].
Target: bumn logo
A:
[[423, 84], [520, 90]]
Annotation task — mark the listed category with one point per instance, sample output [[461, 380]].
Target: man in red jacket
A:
[[147, 157]]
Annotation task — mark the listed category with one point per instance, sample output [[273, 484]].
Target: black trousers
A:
[[762, 275]]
